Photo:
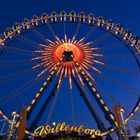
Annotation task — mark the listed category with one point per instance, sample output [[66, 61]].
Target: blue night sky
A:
[[126, 12]]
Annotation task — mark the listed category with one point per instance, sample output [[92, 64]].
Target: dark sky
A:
[[126, 12]]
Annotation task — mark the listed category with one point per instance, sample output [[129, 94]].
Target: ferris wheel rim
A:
[[104, 25], [132, 51]]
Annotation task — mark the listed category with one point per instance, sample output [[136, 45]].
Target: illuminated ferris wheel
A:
[[83, 55]]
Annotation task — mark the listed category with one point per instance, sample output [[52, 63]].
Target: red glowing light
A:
[[59, 50]]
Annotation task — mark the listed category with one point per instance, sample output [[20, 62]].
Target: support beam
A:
[[95, 115], [108, 114], [38, 98], [41, 111]]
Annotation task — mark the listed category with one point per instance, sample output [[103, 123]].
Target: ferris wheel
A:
[[80, 57]]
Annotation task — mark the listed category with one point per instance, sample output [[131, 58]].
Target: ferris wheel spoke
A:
[[37, 96], [51, 30], [9, 63], [101, 38], [42, 57], [110, 47], [88, 101], [48, 64], [90, 32], [95, 55], [42, 64], [120, 84], [61, 77], [13, 64], [29, 42], [44, 107], [46, 47], [64, 29], [106, 93], [77, 29], [76, 32], [90, 62], [46, 69], [113, 99], [65, 35], [45, 85], [70, 78], [72, 108], [40, 35], [14, 76], [79, 76], [92, 67], [18, 51], [100, 101], [18, 91], [123, 70], [56, 95], [53, 106], [116, 57], [83, 71]]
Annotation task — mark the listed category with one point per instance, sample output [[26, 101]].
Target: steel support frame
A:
[[92, 110], [40, 112], [107, 113]]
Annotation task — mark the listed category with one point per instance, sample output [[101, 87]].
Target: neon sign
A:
[[63, 127]]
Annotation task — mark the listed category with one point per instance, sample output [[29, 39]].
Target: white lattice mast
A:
[[12, 128]]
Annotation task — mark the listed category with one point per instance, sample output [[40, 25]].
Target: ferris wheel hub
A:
[[68, 49], [67, 56]]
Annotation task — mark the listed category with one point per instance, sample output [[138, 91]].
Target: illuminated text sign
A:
[[63, 127]]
